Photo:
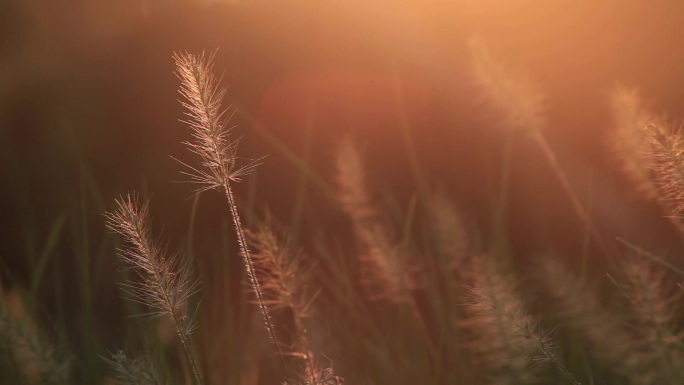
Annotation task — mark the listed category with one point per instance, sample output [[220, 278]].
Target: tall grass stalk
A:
[[166, 285], [522, 104], [385, 268], [218, 153]]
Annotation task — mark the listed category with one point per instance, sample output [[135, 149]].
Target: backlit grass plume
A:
[[652, 306], [651, 153], [25, 355], [507, 341], [283, 275], [668, 166], [630, 139], [582, 311], [521, 102], [208, 122], [137, 371], [165, 284], [384, 271], [450, 232]]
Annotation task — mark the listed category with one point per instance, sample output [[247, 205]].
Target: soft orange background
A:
[[87, 88]]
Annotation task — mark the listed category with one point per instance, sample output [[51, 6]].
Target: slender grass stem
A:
[[244, 250], [581, 212], [217, 151], [197, 379]]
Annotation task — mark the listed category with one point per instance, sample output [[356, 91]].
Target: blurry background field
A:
[[89, 110]]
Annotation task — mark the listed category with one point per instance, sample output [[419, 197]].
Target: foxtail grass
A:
[[135, 371], [651, 152], [284, 277], [35, 360], [450, 232], [220, 165], [493, 338], [652, 310], [387, 274], [668, 166], [521, 104], [166, 285], [587, 316], [509, 345], [630, 142]]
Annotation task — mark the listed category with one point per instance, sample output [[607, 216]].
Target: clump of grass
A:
[[166, 285], [493, 338], [278, 280]]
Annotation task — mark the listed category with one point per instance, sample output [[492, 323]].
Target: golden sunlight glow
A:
[[369, 192]]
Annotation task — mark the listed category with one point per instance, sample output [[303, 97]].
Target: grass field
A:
[[359, 283]]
